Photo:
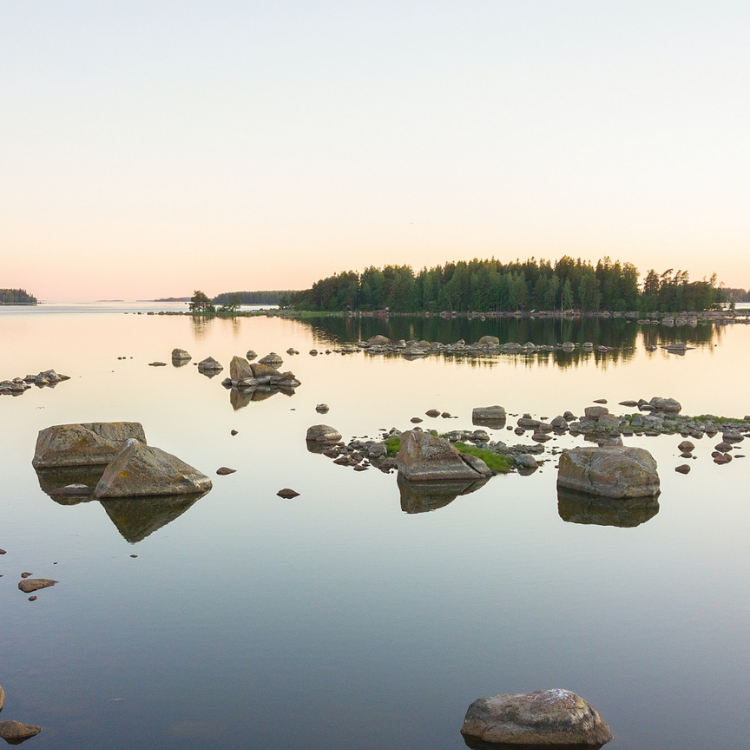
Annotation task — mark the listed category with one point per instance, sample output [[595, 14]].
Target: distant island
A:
[[167, 299], [16, 297], [252, 298], [110, 300], [490, 285]]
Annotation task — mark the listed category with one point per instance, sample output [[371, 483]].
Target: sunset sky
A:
[[150, 148]]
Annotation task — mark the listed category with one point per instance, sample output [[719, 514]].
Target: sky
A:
[[153, 147]]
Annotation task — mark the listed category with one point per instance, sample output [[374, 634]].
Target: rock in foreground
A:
[[544, 717], [424, 457], [139, 470], [611, 471], [88, 444], [323, 434], [14, 732]]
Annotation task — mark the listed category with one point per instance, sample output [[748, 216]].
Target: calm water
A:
[[337, 620]]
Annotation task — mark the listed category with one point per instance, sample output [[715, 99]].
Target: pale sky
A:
[[150, 148]]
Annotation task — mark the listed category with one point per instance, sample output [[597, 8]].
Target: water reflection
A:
[[423, 497], [240, 398], [476, 744], [138, 517], [578, 507], [134, 517]]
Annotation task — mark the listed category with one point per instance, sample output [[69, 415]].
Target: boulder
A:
[[180, 354], [209, 364], [2, 697], [251, 355], [424, 457], [544, 717], [322, 408], [261, 370], [378, 341], [488, 413], [489, 341], [611, 471], [323, 434], [240, 369], [14, 732], [595, 412], [686, 446], [138, 470], [668, 405], [86, 444], [272, 359]]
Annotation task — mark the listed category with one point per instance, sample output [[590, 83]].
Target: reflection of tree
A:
[[201, 326]]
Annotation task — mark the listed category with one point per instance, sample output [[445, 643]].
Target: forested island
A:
[[273, 297], [490, 285], [16, 297]]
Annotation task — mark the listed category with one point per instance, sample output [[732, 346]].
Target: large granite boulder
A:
[[262, 370], [667, 405], [323, 434], [611, 471], [424, 457], [87, 444], [489, 416], [595, 412], [272, 359], [180, 355], [138, 470], [209, 365], [378, 341], [240, 369], [544, 717]]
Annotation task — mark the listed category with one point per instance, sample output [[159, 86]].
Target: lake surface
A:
[[337, 619]]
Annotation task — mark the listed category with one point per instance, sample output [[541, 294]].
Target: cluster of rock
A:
[[17, 386], [486, 346], [255, 381], [125, 465], [14, 732]]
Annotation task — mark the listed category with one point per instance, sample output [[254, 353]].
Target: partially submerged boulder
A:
[[14, 732], [240, 369], [611, 471], [424, 457], [86, 444], [323, 434], [544, 717], [489, 341], [209, 365], [667, 405], [139, 470], [489, 416], [378, 341], [180, 355], [29, 585], [272, 359]]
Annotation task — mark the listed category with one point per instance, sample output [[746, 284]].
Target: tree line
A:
[[273, 297], [490, 285], [16, 297]]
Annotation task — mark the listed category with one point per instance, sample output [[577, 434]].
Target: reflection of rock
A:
[[137, 517], [69, 485], [421, 497], [580, 507], [557, 718], [87, 444], [141, 470], [241, 398], [612, 471], [489, 416]]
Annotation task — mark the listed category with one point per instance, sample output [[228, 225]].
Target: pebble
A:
[[684, 469], [233, 433], [287, 493], [416, 420], [32, 598], [224, 470], [26, 575]]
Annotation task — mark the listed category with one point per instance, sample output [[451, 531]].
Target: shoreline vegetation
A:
[[16, 297]]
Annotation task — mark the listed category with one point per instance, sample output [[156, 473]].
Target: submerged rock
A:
[[139, 470], [378, 341], [544, 717], [180, 355], [612, 471], [209, 365], [272, 359], [86, 444], [14, 732], [424, 457], [489, 416]]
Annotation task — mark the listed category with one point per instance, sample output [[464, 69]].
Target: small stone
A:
[[432, 413], [157, 364], [600, 400], [359, 467], [416, 420], [683, 469], [686, 446], [26, 575], [322, 408], [32, 598], [134, 556], [3, 552], [287, 494], [224, 470], [30, 585], [723, 447], [233, 433]]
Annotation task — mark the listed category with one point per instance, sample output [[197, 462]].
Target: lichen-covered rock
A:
[[544, 717], [272, 359], [482, 414], [138, 470], [323, 434], [489, 341], [668, 405], [378, 341], [87, 444], [424, 457], [29, 585], [610, 471], [209, 364], [14, 732], [180, 354], [595, 412]]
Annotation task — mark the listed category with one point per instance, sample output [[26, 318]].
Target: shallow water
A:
[[337, 619]]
